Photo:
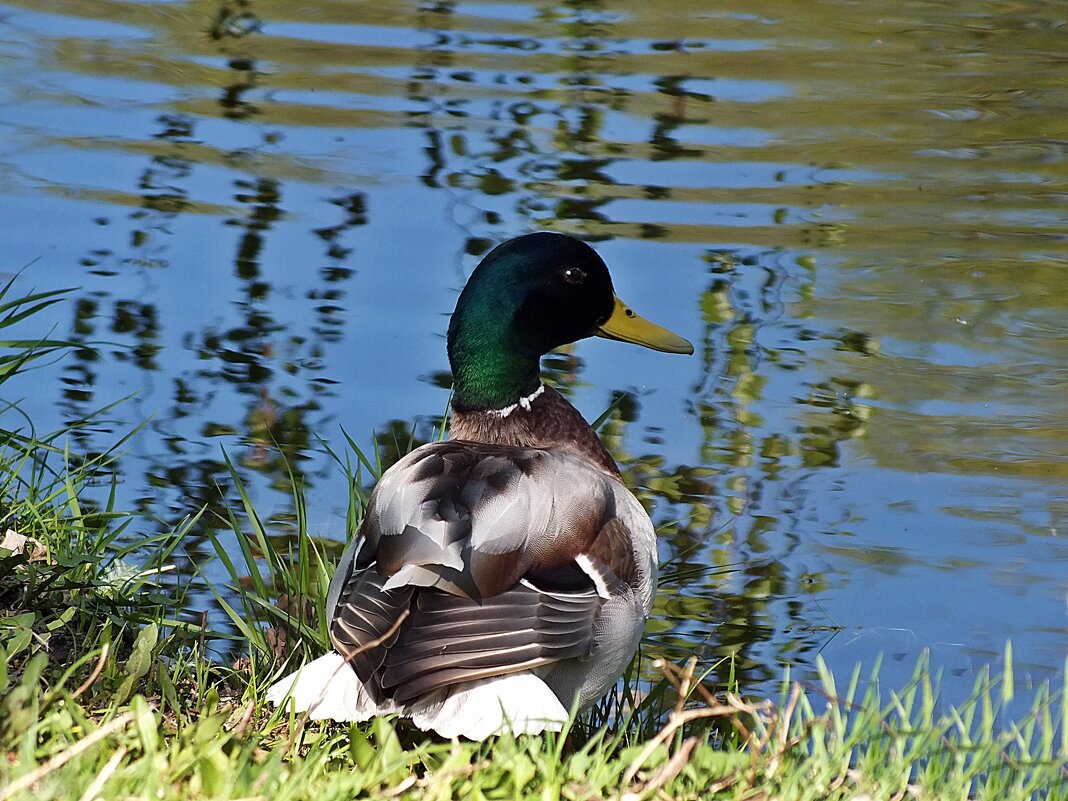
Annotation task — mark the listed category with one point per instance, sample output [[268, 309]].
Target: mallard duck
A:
[[504, 575]]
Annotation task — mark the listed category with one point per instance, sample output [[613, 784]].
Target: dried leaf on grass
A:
[[282, 638], [20, 544]]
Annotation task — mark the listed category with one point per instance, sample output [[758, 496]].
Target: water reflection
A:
[[855, 209]]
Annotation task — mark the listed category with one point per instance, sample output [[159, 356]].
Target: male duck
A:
[[506, 574]]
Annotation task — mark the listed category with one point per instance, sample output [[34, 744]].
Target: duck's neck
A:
[[493, 380], [492, 367], [540, 419]]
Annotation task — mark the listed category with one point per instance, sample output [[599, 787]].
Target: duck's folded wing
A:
[[475, 564], [444, 639]]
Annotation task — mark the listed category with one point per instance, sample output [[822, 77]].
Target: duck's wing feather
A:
[[472, 519], [498, 560], [446, 639]]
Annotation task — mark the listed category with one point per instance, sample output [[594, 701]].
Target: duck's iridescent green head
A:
[[527, 296]]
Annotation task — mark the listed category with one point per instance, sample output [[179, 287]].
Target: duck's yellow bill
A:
[[627, 325]]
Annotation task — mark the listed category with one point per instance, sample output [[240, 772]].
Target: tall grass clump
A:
[[83, 616]]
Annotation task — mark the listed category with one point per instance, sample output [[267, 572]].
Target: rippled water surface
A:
[[858, 211]]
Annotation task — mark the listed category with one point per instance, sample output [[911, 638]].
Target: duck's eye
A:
[[574, 275]]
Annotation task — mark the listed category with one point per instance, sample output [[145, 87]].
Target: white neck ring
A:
[[522, 403]]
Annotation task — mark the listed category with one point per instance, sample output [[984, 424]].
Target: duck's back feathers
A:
[[472, 518], [499, 560]]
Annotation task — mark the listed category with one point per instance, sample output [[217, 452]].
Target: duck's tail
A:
[[520, 703], [327, 689]]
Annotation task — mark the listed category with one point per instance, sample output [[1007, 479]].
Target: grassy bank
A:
[[105, 691], [110, 688]]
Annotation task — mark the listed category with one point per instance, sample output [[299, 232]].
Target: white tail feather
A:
[[520, 703], [328, 689]]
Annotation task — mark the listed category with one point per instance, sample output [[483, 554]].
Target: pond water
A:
[[857, 211]]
